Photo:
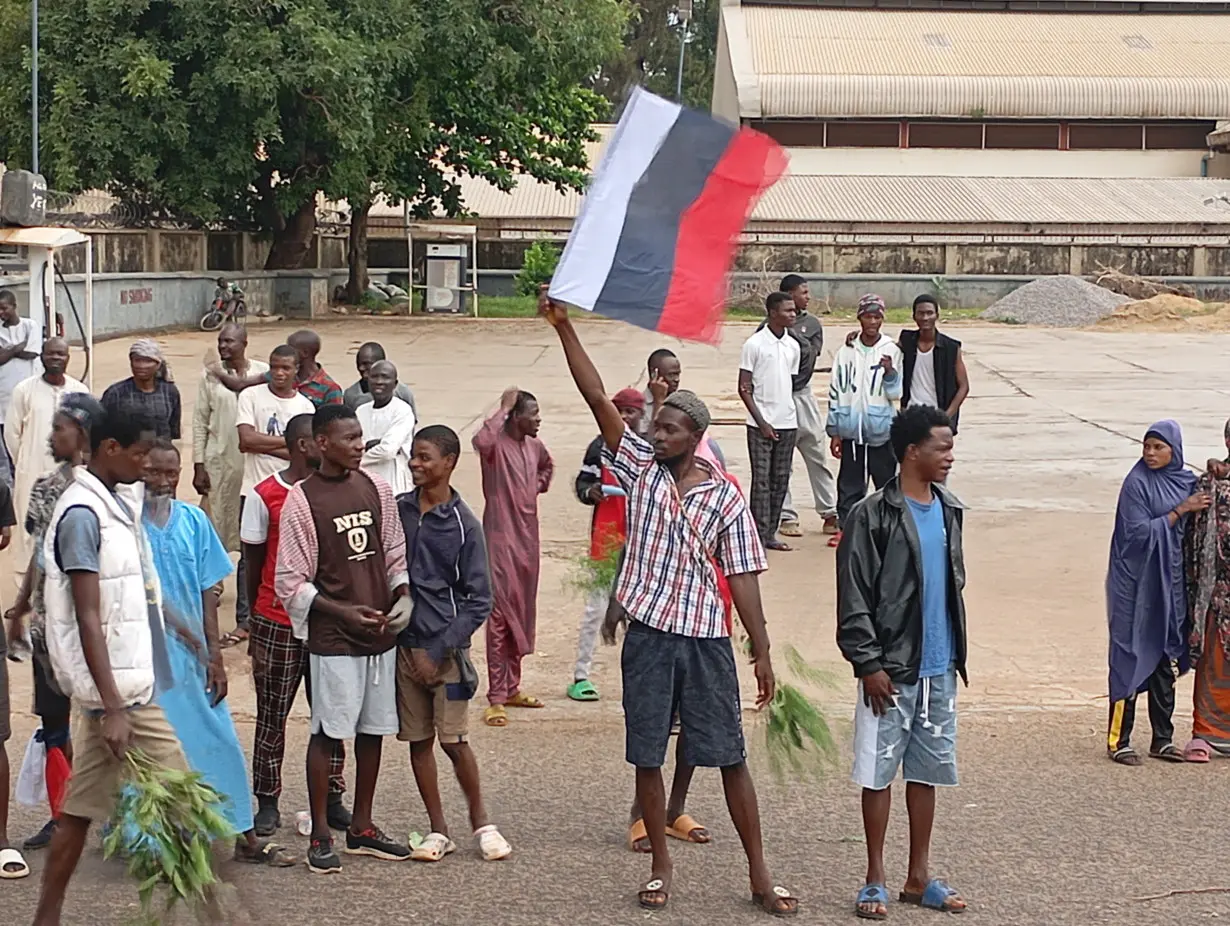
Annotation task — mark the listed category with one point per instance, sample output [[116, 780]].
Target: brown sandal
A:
[[636, 833], [783, 902]]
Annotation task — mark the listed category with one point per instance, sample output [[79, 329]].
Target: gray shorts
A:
[[667, 673], [354, 695], [917, 735]]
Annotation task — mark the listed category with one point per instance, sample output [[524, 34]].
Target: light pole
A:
[[685, 14], [34, 84]]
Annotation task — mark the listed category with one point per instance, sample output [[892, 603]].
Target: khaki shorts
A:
[[95, 782], [423, 711]]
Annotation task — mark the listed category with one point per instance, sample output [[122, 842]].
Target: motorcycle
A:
[[228, 306]]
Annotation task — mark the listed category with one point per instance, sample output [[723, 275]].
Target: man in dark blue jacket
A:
[[450, 589]]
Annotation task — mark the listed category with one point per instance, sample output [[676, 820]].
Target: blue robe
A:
[[190, 559], [1146, 596]]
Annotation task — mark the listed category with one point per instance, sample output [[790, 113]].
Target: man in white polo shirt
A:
[[767, 366]]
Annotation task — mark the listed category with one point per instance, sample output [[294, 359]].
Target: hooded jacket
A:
[[450, 584], [879, 586], [861, 394]]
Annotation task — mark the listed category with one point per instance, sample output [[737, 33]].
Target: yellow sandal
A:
[[496, 716], [521, 699]]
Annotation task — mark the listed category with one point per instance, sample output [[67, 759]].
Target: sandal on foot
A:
[[1197, 750], [583, 690], [495, 716], [433, 848], [637, 834], [12, 865], [491, 843], [1126, 756], [521, 699], [781, 902], [266, 853], [688, 830], [778, 546], [937, 896], [870, 894], [654, 895], [790, 529], [1168, 753], [236, 636], [835, 540], [830, 524]]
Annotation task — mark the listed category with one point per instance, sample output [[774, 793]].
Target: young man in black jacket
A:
[[933, 369], [901, 625], [450, 588]]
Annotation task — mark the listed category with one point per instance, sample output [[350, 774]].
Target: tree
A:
[[246, 114], [650, 54]]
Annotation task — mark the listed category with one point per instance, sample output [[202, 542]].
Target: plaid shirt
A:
[[320, 387], [161, 407], [668, 581]]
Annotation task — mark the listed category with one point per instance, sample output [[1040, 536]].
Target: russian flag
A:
[[657, 230]]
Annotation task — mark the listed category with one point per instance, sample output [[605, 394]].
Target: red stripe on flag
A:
[[709, 232]]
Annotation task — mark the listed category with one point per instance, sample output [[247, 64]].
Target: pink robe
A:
[[515, 473]]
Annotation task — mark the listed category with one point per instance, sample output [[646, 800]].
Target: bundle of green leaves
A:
[[164, 825], [597, 575], [798, 739]]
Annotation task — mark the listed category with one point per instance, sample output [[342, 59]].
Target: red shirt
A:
[[262, 515]]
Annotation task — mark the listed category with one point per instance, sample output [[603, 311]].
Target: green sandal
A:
[[583, 690]]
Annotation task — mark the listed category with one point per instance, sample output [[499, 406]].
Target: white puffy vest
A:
[[123, 608]]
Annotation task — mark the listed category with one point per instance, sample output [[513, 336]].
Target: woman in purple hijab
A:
[[1146, 596]]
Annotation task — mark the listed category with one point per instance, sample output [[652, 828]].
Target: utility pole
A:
[[684, 12], [34, 84]]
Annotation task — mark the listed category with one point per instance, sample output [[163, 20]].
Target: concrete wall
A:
[[971, 162]]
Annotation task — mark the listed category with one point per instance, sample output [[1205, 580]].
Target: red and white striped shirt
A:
[[668, 580]]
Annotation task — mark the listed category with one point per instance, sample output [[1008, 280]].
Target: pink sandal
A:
[[1197, 750]]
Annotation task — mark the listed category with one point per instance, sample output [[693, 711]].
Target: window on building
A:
[[793, 133], [863, 134], [1022, 135], [945, 135], [1085, 135], [1178, 135]]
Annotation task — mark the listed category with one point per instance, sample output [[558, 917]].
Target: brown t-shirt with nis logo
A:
[[350, 562]]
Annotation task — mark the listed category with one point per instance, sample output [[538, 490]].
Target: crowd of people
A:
[[363, 576]]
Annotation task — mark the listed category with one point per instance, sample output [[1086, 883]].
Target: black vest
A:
[[946, 350]]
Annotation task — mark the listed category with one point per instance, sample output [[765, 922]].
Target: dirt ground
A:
[[1044, 830]]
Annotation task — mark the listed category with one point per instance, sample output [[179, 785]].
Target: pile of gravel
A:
[[1059, 302]]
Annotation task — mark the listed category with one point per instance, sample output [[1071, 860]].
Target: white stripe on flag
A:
[[587, 257]]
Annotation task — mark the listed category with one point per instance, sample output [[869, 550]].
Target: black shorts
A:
[[665, 673], [53, 707]]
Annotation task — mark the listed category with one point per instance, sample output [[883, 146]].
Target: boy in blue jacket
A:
[[450, 591]]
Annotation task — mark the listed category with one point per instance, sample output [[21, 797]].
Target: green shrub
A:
[[536, 267]]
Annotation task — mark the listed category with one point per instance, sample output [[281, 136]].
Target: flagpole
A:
[[34, 85]]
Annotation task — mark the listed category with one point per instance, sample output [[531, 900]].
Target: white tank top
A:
[[922, 384]]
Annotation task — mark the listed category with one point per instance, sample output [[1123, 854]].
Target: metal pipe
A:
[[683, 44], [34, 84]]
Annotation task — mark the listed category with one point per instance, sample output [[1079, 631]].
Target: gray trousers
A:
[[812, 442], [587, 638]]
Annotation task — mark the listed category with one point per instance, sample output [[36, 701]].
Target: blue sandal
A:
[[937, 896], [871, 893]]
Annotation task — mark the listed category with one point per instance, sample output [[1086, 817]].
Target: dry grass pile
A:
[[1167, 312]]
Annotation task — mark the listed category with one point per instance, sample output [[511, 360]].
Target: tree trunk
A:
[[292, 243], [356, 256]]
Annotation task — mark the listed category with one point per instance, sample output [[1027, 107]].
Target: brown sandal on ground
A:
[[655, 894], [1168, 753], [781, 902], [1126, 756], [638, 837], [234, 638], [495, 716], [269, 854], [687, 830]]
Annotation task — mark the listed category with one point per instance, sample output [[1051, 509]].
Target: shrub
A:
[[536, 267]]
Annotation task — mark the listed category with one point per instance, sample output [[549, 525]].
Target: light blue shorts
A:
[[917, 735]]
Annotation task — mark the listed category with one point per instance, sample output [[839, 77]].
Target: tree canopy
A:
[[244, 113]]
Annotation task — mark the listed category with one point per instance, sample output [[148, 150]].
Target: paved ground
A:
[[1043, 830]]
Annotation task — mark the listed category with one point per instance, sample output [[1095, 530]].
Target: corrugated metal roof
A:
[[906, 200], [817, 62]]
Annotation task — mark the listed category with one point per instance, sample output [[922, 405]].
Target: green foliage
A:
[[239, 113], [596, 575], [165, 822], [650, 54], [536, 267]]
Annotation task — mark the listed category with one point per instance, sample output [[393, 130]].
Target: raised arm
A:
[[584, 373], [488, 434], [233, 382]]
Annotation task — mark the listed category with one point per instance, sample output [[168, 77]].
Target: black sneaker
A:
[[267, 820], [321, 859], [41, 839], [374, 843], [337, 816]]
